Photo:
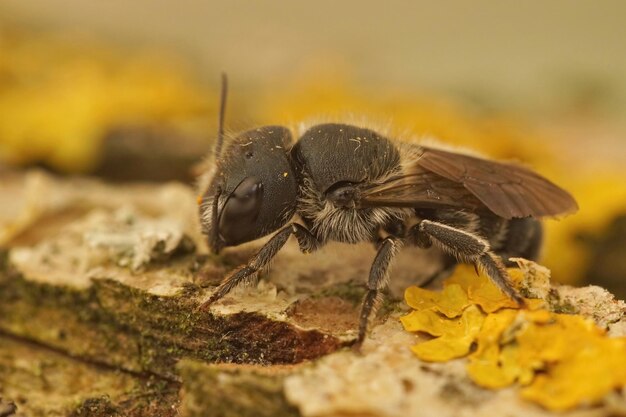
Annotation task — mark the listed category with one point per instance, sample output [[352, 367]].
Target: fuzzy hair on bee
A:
[[347, 183]]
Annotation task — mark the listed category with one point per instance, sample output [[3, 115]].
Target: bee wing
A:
[[438, 177], [418, 187]]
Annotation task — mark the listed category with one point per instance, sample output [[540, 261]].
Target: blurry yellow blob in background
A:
[[59, 97]]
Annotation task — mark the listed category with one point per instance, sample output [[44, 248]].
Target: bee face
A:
[[254, 189]]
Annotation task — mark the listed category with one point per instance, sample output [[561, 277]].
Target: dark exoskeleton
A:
[[345, 183]]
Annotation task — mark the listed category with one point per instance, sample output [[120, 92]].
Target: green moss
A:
[[44, 382], [351, 291], [96, 407], [127, 328], [560, 305]]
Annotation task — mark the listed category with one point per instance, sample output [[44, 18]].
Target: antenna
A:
[[220, 126]]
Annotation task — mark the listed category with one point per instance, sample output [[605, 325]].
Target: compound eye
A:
[[239, 215]]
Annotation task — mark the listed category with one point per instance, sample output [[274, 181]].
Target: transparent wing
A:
[[441, 178]]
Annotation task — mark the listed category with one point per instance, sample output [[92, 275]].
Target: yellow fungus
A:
[[480, 289], [457, 336], [587, 374], [451, 301], [560, 360]]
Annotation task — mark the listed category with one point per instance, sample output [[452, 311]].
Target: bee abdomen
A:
[[522, 239], [514, 238]]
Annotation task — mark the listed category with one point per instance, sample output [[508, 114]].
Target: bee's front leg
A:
[[377, 281], [306, 240]]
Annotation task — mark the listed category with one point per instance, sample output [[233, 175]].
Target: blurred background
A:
[[128, 91]]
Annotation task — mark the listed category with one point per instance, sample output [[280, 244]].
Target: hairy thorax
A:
[[339, 223]]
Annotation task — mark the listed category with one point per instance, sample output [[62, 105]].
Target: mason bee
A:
[[340, 182]]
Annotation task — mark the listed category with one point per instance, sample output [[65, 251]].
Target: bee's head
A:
[[253, 191]]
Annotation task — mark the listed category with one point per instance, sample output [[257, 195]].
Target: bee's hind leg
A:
[[306, 240], [468, 247], [415, 237], [376, 283]]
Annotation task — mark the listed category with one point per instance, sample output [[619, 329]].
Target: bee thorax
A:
[[328, 219]]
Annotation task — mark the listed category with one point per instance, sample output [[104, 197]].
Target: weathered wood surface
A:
[[100, 284], [112, 275]]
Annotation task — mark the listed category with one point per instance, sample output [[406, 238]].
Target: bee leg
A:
[[306, 240], [376, 283], [422, 240], [468, 247]]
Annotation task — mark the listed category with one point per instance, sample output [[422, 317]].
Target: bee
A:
[[345, 183]]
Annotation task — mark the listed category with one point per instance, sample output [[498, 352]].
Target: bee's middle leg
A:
[[377, 281]]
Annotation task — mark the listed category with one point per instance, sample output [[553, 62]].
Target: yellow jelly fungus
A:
[[451, 301], [457, 336], [561, 361], [479, 289], [586, 376], [493, 363]]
